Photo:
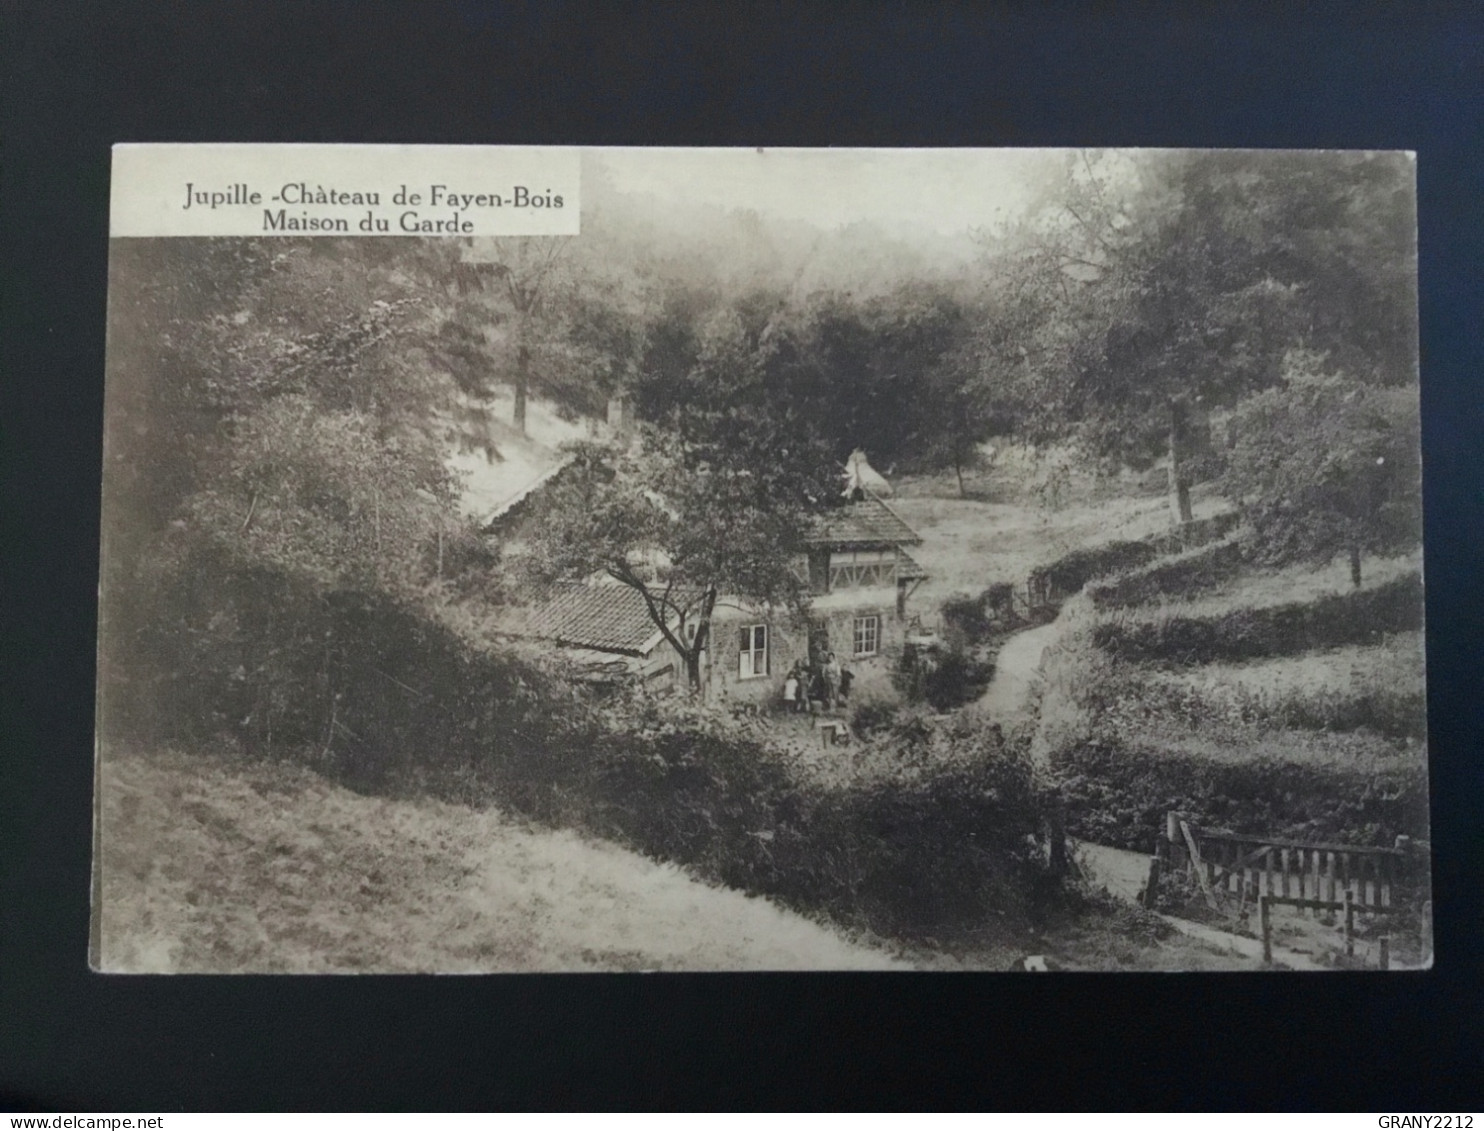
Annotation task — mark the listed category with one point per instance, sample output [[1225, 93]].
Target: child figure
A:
[[791, 690]]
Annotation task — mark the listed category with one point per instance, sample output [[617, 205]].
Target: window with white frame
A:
[[866, 638], [753, 659]]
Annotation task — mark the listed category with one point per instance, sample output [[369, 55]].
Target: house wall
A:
[[788, 643]]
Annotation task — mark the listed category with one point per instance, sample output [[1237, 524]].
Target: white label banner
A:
[[344, 190]]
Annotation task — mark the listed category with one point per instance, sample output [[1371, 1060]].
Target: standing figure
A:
[[791, 690], [847, 677], [815, 679], [831, 674]]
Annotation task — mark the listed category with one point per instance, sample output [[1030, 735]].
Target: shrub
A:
[[1393, 711], [958, 678], [1360, 617], [945, 678], [967, 618], [940, 852], [376, 693], [872, 715], [1118, 791], [1201, 568], [1070, 573]]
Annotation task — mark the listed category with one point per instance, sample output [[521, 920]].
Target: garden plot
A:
[[1231, 708]]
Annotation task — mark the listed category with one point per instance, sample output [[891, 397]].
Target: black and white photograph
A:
[[860, 559]]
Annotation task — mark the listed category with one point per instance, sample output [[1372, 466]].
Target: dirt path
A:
[[1123, 874], [1008, 695]]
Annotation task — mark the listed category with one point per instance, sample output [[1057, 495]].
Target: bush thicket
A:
[[374, 692], [1117, 792], [1360, 617], [1069, 573], [1202, 568]]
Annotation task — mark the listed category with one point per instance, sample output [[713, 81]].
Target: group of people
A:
[[826, 682]]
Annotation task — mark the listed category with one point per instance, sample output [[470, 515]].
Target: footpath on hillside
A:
[[1008, 696], [1008, 701]]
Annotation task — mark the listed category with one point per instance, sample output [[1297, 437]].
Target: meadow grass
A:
[[1359, 687], [214, 864]]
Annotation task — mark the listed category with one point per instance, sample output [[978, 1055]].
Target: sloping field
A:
[[1395, 666], [969, 545], [1295, 584], [211, 866]]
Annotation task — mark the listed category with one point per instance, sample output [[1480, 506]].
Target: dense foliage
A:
[[1118, 793], [1152, 289], [1326, 466], [1362, 617]]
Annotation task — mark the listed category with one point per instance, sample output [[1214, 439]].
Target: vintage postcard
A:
[[554, 559]]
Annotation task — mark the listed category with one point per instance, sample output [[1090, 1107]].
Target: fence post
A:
[[1385, 953], [1427, 931], [1349, 924], [1264, 915], [1057, 846], [1151, 885]]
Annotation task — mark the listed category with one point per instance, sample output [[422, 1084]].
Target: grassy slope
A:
[[969, 545], [221, 867], [1258, 588], [1397, 661], [210, 866]]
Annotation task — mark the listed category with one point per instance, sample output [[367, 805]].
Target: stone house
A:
[[860, 577]]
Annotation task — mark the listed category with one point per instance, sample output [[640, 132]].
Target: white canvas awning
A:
[[861, 476]]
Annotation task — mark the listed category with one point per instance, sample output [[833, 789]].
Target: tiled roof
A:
[[603, 617], [867, 522]]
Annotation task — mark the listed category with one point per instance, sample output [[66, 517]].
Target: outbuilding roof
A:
[[603, 617]]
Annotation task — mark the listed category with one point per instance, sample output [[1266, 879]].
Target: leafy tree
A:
[[682, 531], [710, 505], [1328, 465], [1173, 284], [551, 315], [896, 373]]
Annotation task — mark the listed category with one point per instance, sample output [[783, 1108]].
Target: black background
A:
[[79, 78]]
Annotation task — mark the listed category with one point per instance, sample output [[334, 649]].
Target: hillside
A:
[[211, 865]]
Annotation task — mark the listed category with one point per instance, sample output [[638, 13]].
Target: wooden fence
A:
[[1248, 867]]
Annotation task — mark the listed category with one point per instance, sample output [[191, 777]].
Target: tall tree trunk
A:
[[1355, 565], [958, 468], [522, 385], [1180, 511], [697, 647]]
